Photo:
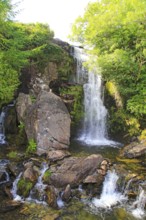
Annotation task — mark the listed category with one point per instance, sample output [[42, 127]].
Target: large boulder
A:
[[134, 149], [74, 170], [22, 103], [47, 122]]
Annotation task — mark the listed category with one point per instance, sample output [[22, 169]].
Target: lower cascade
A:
[[110, 195], [140, 203]]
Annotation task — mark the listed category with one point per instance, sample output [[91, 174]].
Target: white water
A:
[[81, 71], [3, 169], [109, 196], [16, 197], [2, 130], [94, 131], [60, 202], [139, 205], [39, 188]]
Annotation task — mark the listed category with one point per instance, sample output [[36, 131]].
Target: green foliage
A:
[[32, 146], [12, 155], [24, 187], [113, 91], [47, 176], [122, 122], [142, 135], [115, 31], [75, 94], [65, 68], [21, 127]]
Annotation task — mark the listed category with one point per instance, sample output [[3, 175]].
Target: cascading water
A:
[[94, 130], [3, 170], [81, 71], [139, 205], [38, 190], [16, 197], [109, 196], [2, 130]]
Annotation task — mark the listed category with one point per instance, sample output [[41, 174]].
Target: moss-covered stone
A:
[[24, 187], [46, 177]]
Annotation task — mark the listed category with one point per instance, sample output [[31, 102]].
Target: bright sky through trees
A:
[[59, 14]]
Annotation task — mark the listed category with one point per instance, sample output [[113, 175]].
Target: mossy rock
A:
[[24, 187], [47, 175]]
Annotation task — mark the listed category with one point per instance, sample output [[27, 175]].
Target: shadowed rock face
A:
[[47, 121]]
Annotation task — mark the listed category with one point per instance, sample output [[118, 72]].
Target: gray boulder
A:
[[47, 122], [134, 149], [74, 170]]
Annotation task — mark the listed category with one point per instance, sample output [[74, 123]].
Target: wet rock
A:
[[9, 206], [48, 123], [101, 171], [30, 174], [51, 197], [66, 194], [3, 176], [10, 122], [57, 155], [28, 164], [7, 190], [92, 179], [13, 169], [134, 149], [73, 170]]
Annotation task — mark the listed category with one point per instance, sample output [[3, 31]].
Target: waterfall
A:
[[139, 205], [94, 128], [81, 72], [110, 195], [2, 130], [94, 131]]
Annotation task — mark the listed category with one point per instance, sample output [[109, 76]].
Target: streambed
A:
[[84, 208]]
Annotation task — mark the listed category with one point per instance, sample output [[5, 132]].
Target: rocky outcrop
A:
[[22, 103], [74, 170], [47, 122], [58, 155], [134, 149], [40, 81]]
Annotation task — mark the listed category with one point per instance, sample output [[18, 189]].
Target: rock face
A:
[[22, 104], [48, 123], [134, 150], [40, 81], [74, 170]]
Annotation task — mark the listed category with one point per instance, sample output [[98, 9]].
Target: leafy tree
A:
[[115, 31]]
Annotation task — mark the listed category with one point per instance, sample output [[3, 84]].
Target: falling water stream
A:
[[94, 131], [2, 129], [110, 196]]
